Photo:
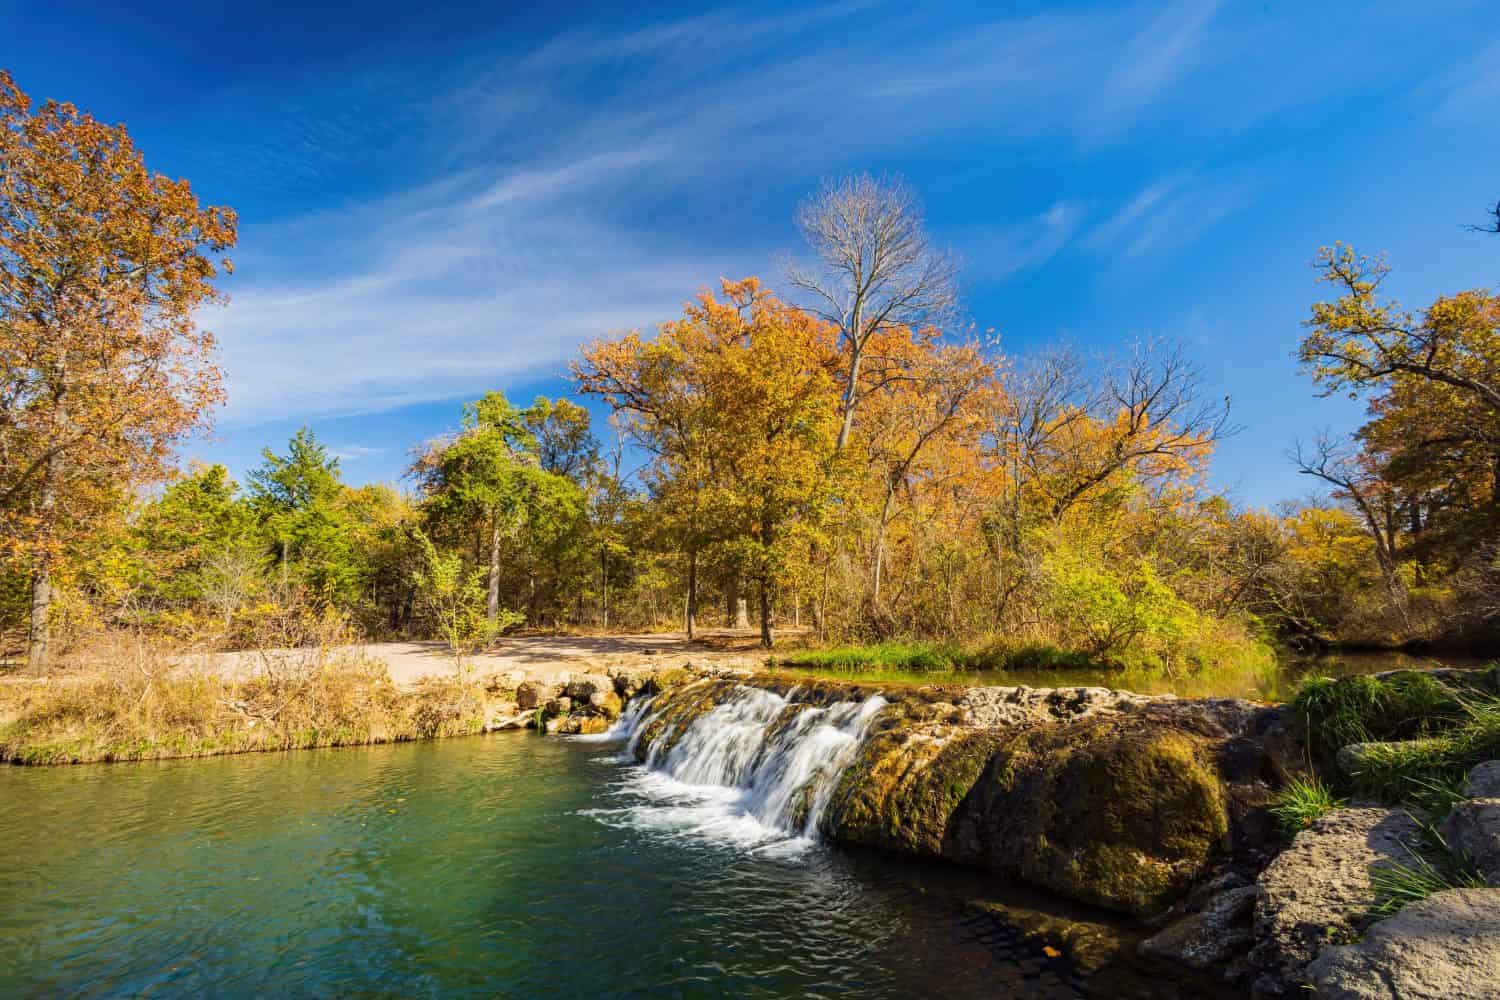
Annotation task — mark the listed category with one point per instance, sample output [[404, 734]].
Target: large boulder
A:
[[1113, 799], [1472, 832], [1472, 829], [1484, 781], [533, 694], [1318, 893], [1445, 947], [606, 704], [581, 687]]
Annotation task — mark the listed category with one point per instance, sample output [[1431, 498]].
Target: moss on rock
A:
[[1121, 812]]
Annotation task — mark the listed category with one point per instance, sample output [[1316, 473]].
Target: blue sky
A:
[[436, 201]]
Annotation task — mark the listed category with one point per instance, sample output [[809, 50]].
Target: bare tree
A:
[[877, 268], [1338, 465], [1491, 225]]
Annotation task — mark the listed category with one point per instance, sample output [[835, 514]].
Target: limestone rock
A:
[[606, 704], [1445, 947], [1210, 938], [1317, 892], [580, 687], [509, 717], [532, 695], [1472, 831], [562, 705]]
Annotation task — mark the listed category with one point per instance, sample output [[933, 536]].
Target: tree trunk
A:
[[765, 613], [737, 606], [692, 592], [492, 605], [39, 639], [851, 386], [885, 517], [604, 586], [765, 586]]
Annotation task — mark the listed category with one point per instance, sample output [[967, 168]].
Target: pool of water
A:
[[507, 865], [1269, 678]]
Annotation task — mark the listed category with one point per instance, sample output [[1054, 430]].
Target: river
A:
[[507, 865]]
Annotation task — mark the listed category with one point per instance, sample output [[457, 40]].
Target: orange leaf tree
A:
[[103, 366]]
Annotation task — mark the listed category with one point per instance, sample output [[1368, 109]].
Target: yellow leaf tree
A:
[[103, 366]]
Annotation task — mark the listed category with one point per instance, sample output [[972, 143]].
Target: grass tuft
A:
[[1432, 869], [1301, 802]]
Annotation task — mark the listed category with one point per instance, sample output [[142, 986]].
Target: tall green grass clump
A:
[[1301, 802], [1426, 736], [913, 657], [1365, 709]]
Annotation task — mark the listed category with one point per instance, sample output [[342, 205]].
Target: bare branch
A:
[[876, 268]]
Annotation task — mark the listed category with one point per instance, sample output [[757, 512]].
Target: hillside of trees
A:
[[828, 451]]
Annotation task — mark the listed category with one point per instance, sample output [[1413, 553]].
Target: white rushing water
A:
[[756, 771]]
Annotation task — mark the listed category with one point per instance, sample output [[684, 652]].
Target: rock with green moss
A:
[[1117, 800], [1119, 811]]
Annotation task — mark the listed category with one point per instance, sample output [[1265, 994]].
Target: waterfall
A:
[[759, 766]]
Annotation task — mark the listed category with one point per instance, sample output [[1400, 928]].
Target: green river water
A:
[[508, 865]]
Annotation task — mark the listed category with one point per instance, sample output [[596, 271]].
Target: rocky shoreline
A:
[[1153, 806]]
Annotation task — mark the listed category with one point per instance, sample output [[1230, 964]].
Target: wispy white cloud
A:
[[1169, 213], [552, 216], [996, 253], [1470, 89], [355, 452]]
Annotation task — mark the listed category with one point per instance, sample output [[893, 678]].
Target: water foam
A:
[[756, 771]]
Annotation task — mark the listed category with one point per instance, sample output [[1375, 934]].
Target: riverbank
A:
[[1166, 809], [128, 702], [1170, 811]]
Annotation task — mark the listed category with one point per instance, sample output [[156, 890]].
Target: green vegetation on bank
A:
[[1412, 737]]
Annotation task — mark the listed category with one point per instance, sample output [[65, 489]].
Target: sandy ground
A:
[[544, 656]]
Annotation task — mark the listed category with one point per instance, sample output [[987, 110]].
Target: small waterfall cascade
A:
[[782, 756]]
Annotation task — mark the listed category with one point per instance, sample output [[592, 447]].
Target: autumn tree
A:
[[737, 401], [931, 401], [657, 396], [1360, 343], [876, 270], [104, 269]]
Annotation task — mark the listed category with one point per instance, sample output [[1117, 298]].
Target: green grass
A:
[[1366, 709], [1430, 772], [928, 657], [1300, 802], [1433, 868], [1426, 735], [911, 657]]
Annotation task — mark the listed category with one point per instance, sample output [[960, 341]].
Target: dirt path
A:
[[545, 656]]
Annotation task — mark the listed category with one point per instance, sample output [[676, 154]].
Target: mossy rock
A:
[[904, 789], [1121, 812]]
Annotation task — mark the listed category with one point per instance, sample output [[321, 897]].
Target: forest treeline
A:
[[837, 456]]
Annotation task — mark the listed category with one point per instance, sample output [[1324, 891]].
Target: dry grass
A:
[[133, 700]]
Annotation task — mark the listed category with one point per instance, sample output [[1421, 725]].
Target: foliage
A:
[[1335, 713], [457, 600], [105, 268], [1300, 802]]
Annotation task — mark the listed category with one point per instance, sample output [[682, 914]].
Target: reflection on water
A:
[[493, 865], [1271, 677]]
